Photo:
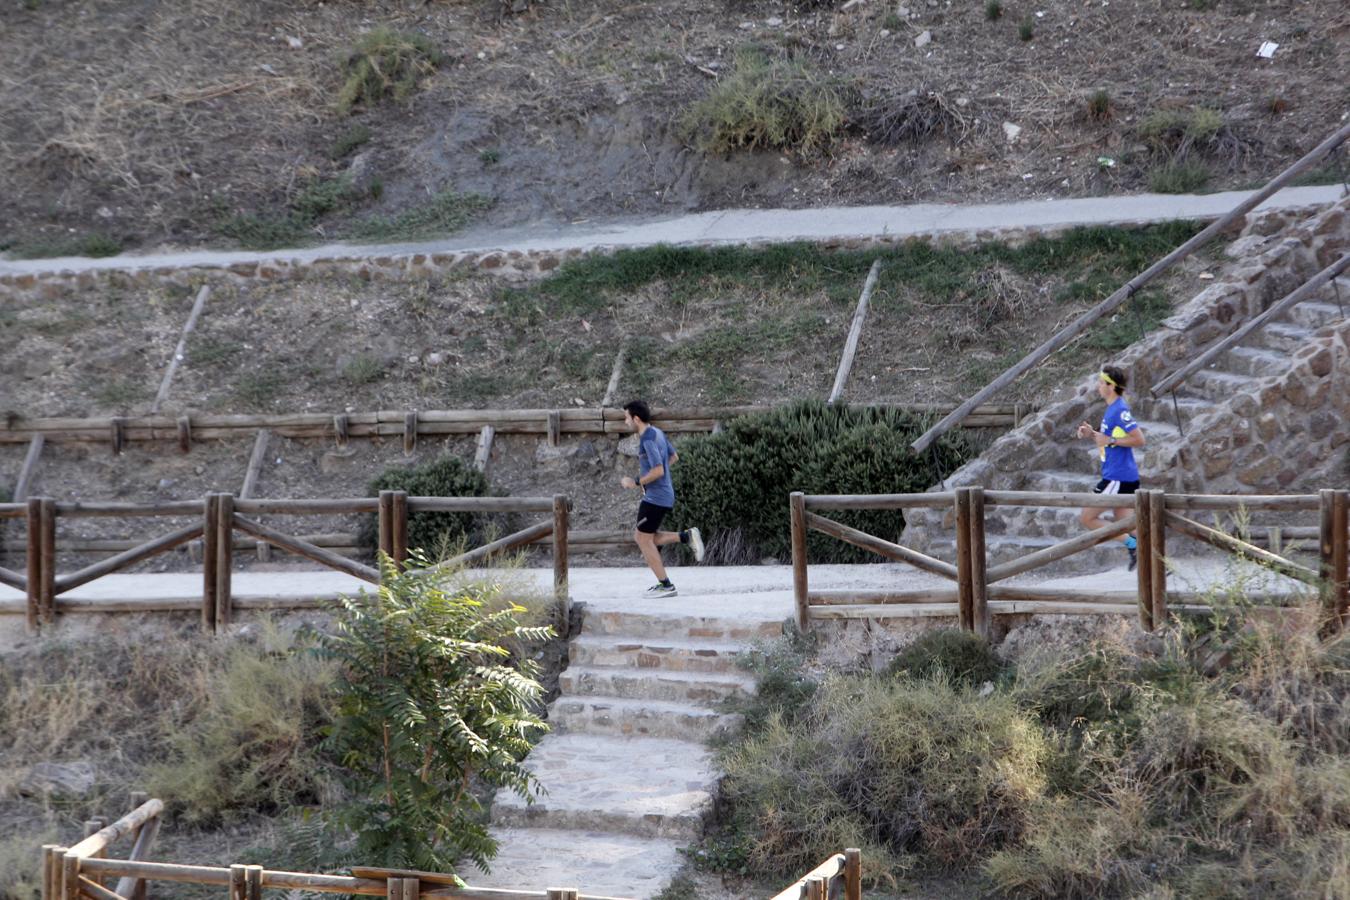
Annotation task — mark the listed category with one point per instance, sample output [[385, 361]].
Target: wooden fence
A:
[[220, 515], [408, 425], [837, 878], [976, 593], [85, 871]]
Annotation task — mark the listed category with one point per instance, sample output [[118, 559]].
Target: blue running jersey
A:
[[1118, 462]]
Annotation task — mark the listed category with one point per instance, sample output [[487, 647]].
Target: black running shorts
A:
[[1115, 487], [650, 515]]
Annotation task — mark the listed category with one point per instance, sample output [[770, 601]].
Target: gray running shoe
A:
[[660, 590], [696, 544]]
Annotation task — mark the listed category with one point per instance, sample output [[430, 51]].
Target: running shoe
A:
[[696, 544], [1134, 558], [660, 590]]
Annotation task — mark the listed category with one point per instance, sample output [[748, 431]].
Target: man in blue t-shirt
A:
[[1117, 438], [655, 457]]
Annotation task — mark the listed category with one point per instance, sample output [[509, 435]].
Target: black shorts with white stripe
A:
[[1106, 486]]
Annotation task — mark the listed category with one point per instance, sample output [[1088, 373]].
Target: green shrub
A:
[[1026, 29], [386, 64], [993, 10], [893, 767], [734, 485], [962, 657], [446, 212], [435, 532], [95, 245], [783, 685], [252, 745], [431, 708], [267, 231], [1099, 106], [363, 369], [1178, 176], [349, 140], [769, 103], [1174, 131]]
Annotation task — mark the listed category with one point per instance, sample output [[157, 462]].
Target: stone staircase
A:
[[1257, 395], [626, 769]]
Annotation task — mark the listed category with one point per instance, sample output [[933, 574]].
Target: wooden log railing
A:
[[976, 594], [219, 516], [85, 871], [1085, 321], [837, 878], [407, 425]]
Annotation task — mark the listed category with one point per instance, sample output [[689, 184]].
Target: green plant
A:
[[1174, 132], [681, 887], [95, 245], [993, 10], [208, 350], [118, 393], [783, 685], [490, 157], [1099, 107], [252, 745], [386, 64], [316, 198], [258, 390], [434, 532], [1026, 29], [1147, 310], [769, 103], [21, 854], [960, 656], [445, 213], [1178, 176], [735, 484], [430, 705], [363, 369], [349, 140]]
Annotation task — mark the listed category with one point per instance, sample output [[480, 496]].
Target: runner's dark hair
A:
[[1116, 373], [639, 410]]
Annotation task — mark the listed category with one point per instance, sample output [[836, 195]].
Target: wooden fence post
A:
[[554, 428], [253, 878], [816, 888], [47, 552], [1143, 522], [210, 546], [398, 527], [49, 852], [852, 874], [70, 876], [224, 526], [385, 523], [238, 882], [184, 434], [561, 516], [410, 432], [34, 587], [797, 514], [1157, 557], [965, 589], [118, 433], [1332, 540], [979, 586]]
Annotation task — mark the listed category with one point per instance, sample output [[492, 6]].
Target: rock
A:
[[1011, 132], [359, 170], [165, 483], [629, 446], [924, 39], [47, 779], [545, 452], [773, 21], [902, 11], [435, 359]]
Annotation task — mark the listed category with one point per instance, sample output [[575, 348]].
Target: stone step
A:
[[1313, 314], [670, 654], [1163, 410], [593, 714], [640, 786], [598, 863], [1282, 337], [654, 684], [1220, 386], [1256, 361], [623, 623]]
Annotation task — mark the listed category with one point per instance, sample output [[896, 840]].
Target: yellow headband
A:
[[1108, 379]]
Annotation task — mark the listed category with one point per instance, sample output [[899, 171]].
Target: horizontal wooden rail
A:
[[880, 547], [83, 510], [877, 501], [99, 841], [307, 550], [830, 869], [1130, 288], [13, 510], [304, 507]]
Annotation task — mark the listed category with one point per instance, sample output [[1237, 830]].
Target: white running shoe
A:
[[660, 590], [696, 544]]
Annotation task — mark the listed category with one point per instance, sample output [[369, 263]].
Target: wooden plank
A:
[[879, 501], [1157, 561], [398, 522], [1244, 502], [979, 561], [858, 596], [97, 891], [1144, 572], [255, 463], [340, 425], [28, 469], [1238, 547], [33, 581], [307, 550], [184, 434], [615, 374], [11, 578], [501, 545], [1052, 499], [105, 837], [117, 509], [827, 869], [852, 874], [128, 558], [481, 504], [1061, 550], [1128, 290], [561, 516], [1340, 554], [1277, 309], [410, 432], [554, 428], [224, 526], [854, 333], [181, 350], [965, 598], [482, 457], [47, 552], [322, 507], [880, 547], [210, 553], [384, 524], [886, 611], [800, 593]]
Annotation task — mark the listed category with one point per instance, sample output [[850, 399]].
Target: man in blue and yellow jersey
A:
[[1117, 438]]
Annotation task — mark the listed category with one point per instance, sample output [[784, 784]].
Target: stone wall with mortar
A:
[[1281, 435]]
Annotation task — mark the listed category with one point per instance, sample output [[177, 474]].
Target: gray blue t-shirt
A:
[[654, 450]]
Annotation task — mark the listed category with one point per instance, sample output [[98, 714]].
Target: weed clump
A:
[[318, 198], [1026, 29], [898, 116], [386, 64], [349, 140], [446, 212], [769, 103], [993, 10], [94, 245], [963, 658], [1099, 106], [1178, 176]]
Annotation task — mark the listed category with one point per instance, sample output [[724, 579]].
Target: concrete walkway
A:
[[738, 226]]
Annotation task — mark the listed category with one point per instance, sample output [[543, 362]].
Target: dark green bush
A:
[[735, 485], [434, 532], [963, 657], [783, 684]]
